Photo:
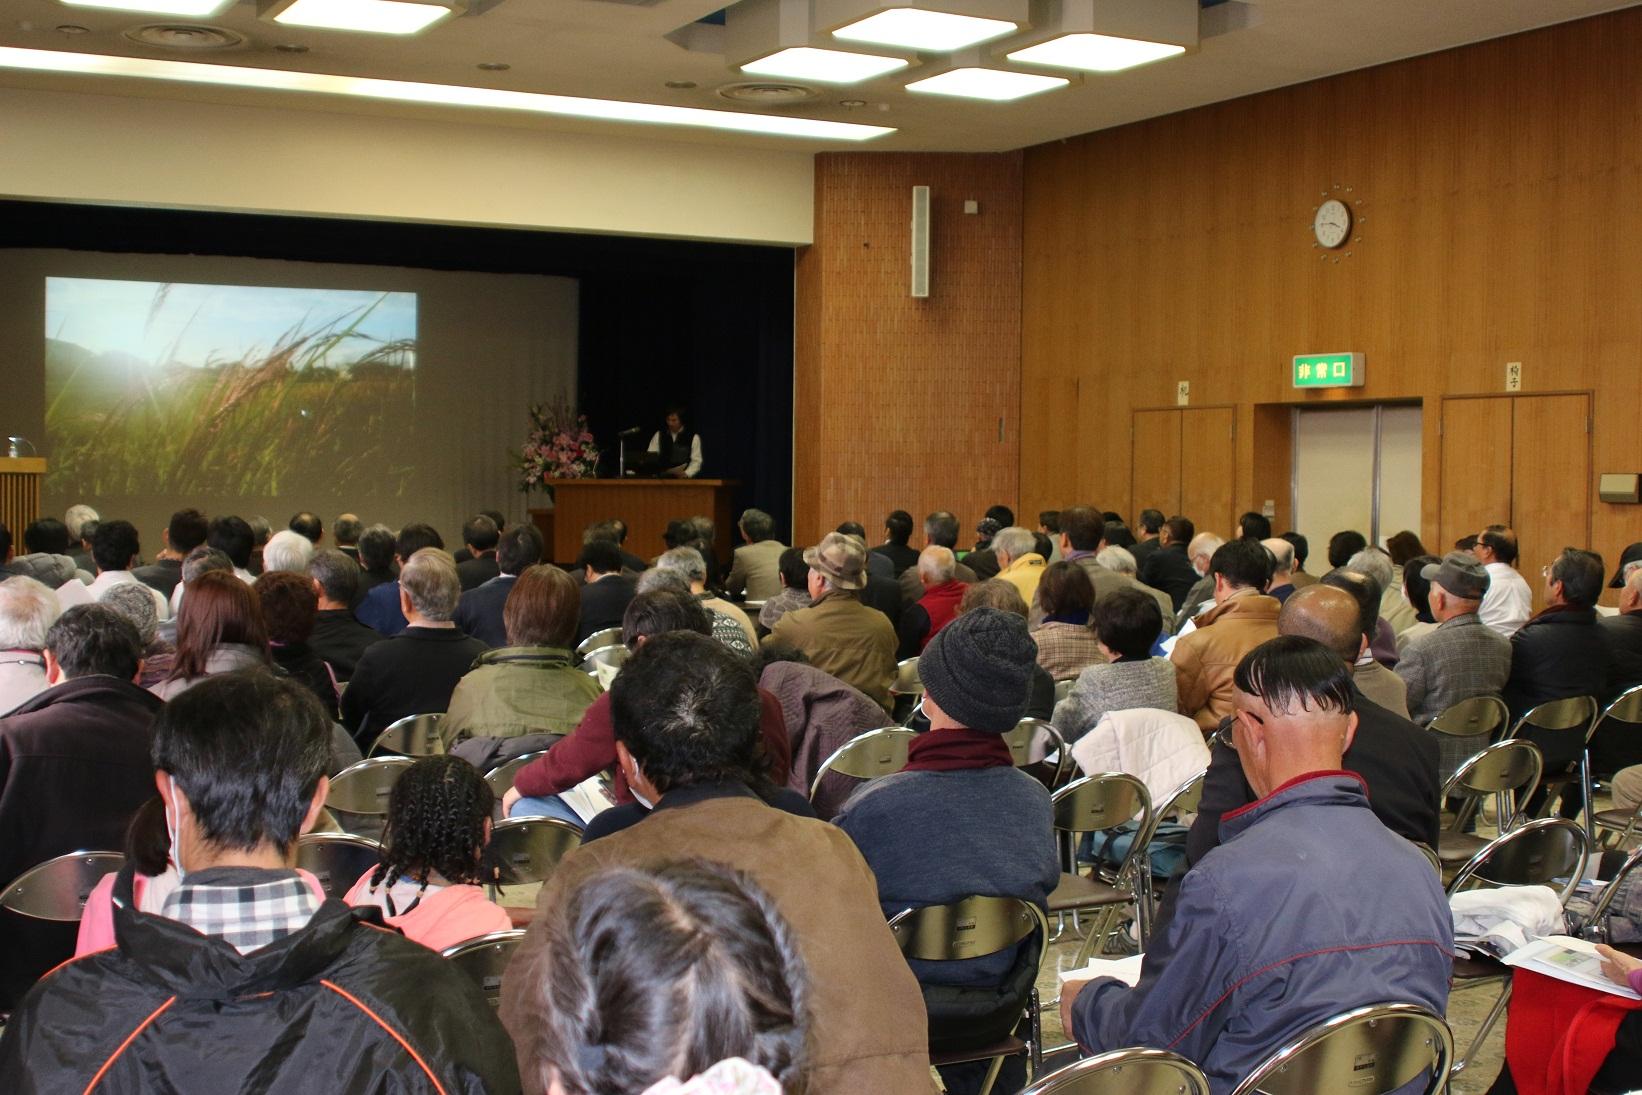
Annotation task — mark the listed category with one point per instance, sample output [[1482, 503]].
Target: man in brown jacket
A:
[[1242, 618], [686, 718], [838, 633]]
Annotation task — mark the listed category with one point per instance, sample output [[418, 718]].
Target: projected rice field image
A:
[[223, 391]]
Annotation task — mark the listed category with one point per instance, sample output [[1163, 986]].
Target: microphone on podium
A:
[[631, 431]]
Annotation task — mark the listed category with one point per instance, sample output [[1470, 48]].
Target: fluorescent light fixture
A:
[[826, 66], [1095, 52], [919, 28], [193, 9], [993, 84], [405, 91], [370, 16]]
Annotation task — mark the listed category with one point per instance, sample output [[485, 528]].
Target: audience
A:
[[1227, 980], [381, 608], [479, 611], [794, 575], [1302, 551], [1126, 625], [1282, 568], [1373, 679], [880, 590], [1394, 606], [290, 608], [755, 570], [233, 537], [1200, 597], [27, 611], [921, 620], [983, 559], [201, 560], [1019, 562], [429, 883], [1167, 566], [1417, 591], [681, 971], [1624, 633], [689, 562], [897, 531], [247, 981], [530, 687], [376, 565], [73, 768], [338, 638], [1343, 545], [998, 594], [415, 671], [345, 533], [1509, 602], [466, 552], [1117, 557], [261, 530], [312, 527], [480, 536], [1254, 526], [1082, 529], [838, 633], [687, 712], [1150, 524], [159, 655], [220, 629], [1375, 565], [1242, 618], [1066, 645], [821, 713], [941, 530], [114, 548], [80, 521], [287, 551], [46, 560], [185, 532]]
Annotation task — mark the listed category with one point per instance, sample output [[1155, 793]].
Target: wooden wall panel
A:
[[1550, 458], [1208, 437], [1498, 221], [905, 403], [1156, 462], [1476, 467]]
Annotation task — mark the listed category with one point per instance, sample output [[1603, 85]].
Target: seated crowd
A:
[[724, 924]]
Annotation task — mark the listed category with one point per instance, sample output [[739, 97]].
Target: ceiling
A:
[[618, 49]]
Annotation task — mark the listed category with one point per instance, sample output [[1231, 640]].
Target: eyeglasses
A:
[[1223, 736]]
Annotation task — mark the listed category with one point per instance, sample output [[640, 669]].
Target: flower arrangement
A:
[[559, 446]]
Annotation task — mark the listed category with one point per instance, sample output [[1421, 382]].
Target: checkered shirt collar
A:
[[247, 909]]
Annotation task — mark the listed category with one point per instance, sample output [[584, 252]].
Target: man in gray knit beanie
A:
[[977, 670]]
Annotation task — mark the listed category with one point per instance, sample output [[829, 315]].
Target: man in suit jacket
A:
[[1167, 566], [606, 589], [479, 612], [940, 527], [480, 535], [757, 562]]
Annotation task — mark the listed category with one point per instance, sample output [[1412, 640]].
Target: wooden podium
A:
[[645, 504], [20, 479]]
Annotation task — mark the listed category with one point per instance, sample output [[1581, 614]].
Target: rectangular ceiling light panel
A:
[[1095, 52], [992, 84], [193, 9], [370, 16], [922, 29], [826, 66]]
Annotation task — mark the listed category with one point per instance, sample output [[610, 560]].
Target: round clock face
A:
[[1332, 224]]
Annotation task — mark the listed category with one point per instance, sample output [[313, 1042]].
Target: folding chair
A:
[[610, 636], [1574, 717], [1535, 853], [338, 860], [1627, 709], [1033, 742], [1097, 804], [523, 850], [973, 928], [1125, 1072], [501, 777], [906, 691], [358, 797], [1509, 770], [1467, 728], [1064, 688], [867, 756], [1182, 801], [1367, 1051], [484, 958], [602, 663], [411, 736], [1595, 928], [57, 889]]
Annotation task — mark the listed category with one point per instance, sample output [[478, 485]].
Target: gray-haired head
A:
[[287, 550], [27, 610], [203, 559], [756, 525], [429, 580], [656, 579], [135, 602], [1120, 559], [337, 575], [1014, 542], [76, 519], [1373, 563], [686, 561], [936, 564]]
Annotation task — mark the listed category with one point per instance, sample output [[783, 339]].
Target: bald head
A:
[[1282, 554], [1326, 614]]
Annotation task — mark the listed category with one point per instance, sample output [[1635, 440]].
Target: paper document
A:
[[1567, 959], [589, 798], [1126, 970]]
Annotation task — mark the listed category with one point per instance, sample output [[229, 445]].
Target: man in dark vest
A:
[[679, 446]]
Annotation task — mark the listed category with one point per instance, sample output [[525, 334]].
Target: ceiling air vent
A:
[[190, 37], [768, 93]]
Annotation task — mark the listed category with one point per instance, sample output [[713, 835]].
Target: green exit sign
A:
[[1328, 371]]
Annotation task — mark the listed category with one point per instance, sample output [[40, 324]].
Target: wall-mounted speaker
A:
[[1620, 487], [920, 241]]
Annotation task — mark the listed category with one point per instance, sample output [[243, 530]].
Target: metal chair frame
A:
[[1594, 929], [604, 657], [1082, 807], [907, 682], [313, 849], [1627, 709], [1328, 1058], [485, 957], [974, 927], [1125, 1072], [502, 775], [1498, 770], [1566, 716], [867, 756], [609, 636], [45, 890], [1020, 741], [1473, 718], [515, 861], [1184, 799], [411, 736], [363, 788], [1064, 688]]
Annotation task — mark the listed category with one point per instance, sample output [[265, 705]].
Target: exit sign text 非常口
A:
[[1328, 371]]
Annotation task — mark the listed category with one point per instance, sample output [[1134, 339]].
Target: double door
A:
[[1183, 460]]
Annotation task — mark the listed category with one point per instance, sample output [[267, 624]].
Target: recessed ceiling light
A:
[[370, 16], [1095, 52], [827, 66], [994, 84], [194, 8], [405, 91], [918, 28]]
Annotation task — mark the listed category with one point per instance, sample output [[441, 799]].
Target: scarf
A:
[[957, 750], [1080, 618]]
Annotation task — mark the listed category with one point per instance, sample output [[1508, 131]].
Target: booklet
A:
[[589, 798], [1126, 970], [1567, 959]]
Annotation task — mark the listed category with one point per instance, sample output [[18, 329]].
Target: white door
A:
[[1355, 468]]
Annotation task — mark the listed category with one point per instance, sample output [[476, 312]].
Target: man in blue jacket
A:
[[1309, 906]]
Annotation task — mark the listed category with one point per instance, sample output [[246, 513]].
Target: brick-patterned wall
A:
[[898, 400]]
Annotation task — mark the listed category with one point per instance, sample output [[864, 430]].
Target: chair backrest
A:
[[1063, 689], [603, 663], [337, 859], [1473, 717], [1627, 708], [501, 777], [527, 849], [867, 756], [57, 889], [484, 958], [968, 928], [411, 736], [1573, 713], [1101, 801], [1032, 740], [610, 636], [1183, 800], [1596, 927], [1367, 1051], [1125, 1072], [1510, 768], [1535, 853], [907, 682], [364, 788]]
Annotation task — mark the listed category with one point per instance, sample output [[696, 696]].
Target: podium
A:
[[645, 504], [20, 479]]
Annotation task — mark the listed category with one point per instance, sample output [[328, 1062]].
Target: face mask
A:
[[646, 803], [172, 828]]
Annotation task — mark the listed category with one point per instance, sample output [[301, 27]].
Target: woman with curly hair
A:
[[428, 883], [680, 978]]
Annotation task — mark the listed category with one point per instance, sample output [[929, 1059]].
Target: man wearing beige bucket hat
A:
[[838, 633]]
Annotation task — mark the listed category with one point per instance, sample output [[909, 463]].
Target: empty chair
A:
[[1366, 1051], [1622, 715], [1509, 770], [485, 959], [358, 795], [610, 636], [411, 736], [1095, 804], [527, 849], [972, 928], [57, 889], [337, 859], [867, 756], [1467, 728], [1125, 1072]]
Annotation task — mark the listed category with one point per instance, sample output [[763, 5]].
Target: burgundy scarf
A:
[[956, 750]]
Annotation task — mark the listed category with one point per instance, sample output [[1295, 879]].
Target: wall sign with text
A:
[[1329, 371]]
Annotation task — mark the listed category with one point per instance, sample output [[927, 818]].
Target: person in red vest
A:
[[937, 570]]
